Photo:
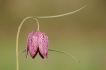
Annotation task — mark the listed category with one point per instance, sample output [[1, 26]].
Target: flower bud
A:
[[37, 42]]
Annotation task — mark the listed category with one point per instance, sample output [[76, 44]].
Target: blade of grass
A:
[[65, 53]]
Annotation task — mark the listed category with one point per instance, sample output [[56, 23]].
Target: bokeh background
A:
[[82, 34]]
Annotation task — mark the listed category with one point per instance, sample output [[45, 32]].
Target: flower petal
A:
[[43, 44], [32, 44]]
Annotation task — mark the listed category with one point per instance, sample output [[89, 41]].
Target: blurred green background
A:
[[82, 34]]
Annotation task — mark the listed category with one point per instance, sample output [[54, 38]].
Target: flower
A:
[[37, 42]]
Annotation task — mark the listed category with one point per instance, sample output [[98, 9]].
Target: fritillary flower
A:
[[37, 42]]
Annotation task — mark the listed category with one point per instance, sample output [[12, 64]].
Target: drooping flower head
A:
[[37, 42]]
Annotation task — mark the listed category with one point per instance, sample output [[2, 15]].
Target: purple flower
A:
[[37, 42]]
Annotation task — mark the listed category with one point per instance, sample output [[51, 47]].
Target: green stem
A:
[[17, 39], [60, 14], [65, 53]]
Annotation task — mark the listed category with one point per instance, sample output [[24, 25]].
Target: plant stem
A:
[[60, 14], [64, 53], [17, 39]]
